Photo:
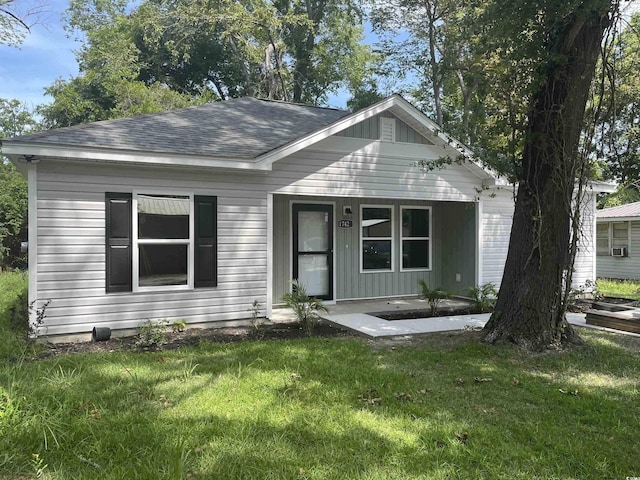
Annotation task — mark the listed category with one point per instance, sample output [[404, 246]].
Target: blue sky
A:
[[45, 55]]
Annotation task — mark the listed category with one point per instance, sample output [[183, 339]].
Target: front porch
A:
[[348, 249]]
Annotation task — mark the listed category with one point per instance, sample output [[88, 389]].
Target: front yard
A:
[[439, 407]]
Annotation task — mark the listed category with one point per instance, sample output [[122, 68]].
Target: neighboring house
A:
[[195, 213], [618, 242]]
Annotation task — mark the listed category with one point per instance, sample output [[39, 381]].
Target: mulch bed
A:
[[192, 337], [421, 313]]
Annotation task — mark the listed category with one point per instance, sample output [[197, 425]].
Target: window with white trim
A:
[[160, 241], [415, 238], [611, 235], [376, 234]]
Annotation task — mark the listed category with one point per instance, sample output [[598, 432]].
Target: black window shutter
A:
[[206, 241], [118, 241]]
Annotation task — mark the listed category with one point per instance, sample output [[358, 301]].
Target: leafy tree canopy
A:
[[15, 119], [165, 54]]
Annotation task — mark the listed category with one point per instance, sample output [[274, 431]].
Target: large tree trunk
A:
[[530, 310]]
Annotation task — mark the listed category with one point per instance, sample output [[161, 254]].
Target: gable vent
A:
[[387, 129]]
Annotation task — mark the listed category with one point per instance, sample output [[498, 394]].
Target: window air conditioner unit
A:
[[619, 252]]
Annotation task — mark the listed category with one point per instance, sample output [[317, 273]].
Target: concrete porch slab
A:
[[377, 327]]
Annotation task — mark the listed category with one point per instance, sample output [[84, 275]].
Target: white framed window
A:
[[415, 238], [163, 238], [612, 235], [158, 241], [376, 238]]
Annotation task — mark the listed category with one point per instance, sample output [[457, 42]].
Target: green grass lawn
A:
[[443, 406], [619, 288]]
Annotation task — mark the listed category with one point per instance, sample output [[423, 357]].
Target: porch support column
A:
[[32, 188], [479, 239], [269, 305]]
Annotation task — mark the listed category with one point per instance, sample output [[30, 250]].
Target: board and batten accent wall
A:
[[453, 249], [71, 247], [370, 129]]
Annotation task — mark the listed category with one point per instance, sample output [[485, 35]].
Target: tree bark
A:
[[530, 310]]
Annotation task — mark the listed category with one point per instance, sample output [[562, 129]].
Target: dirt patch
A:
[[192, 337]]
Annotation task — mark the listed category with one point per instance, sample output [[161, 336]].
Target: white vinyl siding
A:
[[497, 216], [622, 267], [350, 171], [348, 167], [71, 249]]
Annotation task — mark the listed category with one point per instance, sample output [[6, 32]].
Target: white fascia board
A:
[[617, 219], [123, 156], [603, 187]]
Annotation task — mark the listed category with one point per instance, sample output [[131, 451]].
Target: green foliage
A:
[[15, 119], [304, 307], [13, 216], [162, 55], [616, 105], [622, 196], [14, 311], [13, 28], [484, 296], [152, 334], [610, 287], [178, 325], [433, 296]]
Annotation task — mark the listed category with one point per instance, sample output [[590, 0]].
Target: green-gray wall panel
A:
[[459, 246], [370, 129]]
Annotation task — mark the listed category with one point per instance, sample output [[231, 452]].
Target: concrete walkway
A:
[[374, 327], [352, 316]]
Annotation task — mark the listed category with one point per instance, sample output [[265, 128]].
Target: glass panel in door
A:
[[313, 248]]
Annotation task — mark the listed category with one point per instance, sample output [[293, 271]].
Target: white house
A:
[[618, 242], [195, 213]]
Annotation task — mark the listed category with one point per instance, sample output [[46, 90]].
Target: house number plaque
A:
[[345, 223]]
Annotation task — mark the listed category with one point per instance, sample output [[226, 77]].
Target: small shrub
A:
[[434, 297], [304, 307], [255, 309], [179, 325], [484, 297], [152, 334]]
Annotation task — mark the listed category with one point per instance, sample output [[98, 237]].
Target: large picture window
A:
[[160, 241], [415, 238], [376, 233]]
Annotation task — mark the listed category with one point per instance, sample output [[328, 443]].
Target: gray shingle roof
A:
[[241, 128], [621, 211]]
